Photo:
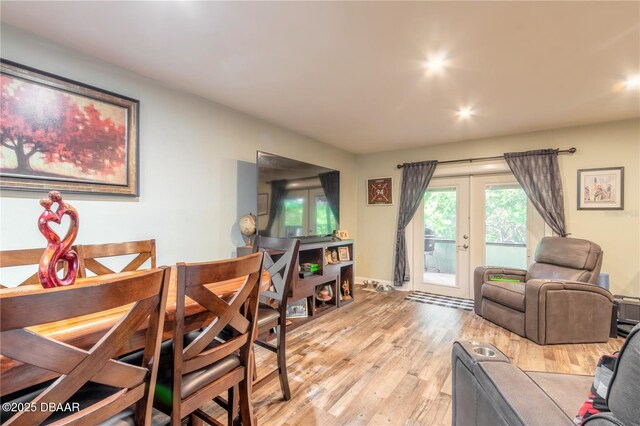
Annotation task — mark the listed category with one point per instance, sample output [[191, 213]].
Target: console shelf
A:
[[333, 275], [336, 275]]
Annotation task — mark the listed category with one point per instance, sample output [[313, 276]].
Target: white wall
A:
[[189, 152], [599, 145]]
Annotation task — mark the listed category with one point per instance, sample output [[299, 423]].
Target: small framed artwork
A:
[[342, 234], [601, 189], [298, 309], [380, 191], [343, 254], [263, 204], [59, 134]]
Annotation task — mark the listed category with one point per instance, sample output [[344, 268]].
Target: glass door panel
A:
[[505, 226], [440, 223], [441, 238]]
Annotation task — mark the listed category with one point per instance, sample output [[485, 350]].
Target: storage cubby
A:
[[328, 274], [345, 286]]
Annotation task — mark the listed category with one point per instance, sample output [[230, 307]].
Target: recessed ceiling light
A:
[[632, 83], [465, 112], [436, 63]]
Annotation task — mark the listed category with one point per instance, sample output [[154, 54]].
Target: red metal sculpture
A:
[[57, 250]]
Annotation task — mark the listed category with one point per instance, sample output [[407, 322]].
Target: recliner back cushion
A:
[[623, 398], [549, 272], [571, 253]]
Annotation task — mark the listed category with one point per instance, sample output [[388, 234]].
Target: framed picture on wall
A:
[[59, 134], [263, 204], [601, 189], [380, 191]]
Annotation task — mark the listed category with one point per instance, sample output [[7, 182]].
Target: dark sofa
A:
[[489, 390]]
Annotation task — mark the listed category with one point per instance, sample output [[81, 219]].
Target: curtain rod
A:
[[497, 157]]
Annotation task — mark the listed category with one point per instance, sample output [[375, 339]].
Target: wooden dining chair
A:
[[281, 255], [91, 256], [204, 365], [24, 257], [91, 382]]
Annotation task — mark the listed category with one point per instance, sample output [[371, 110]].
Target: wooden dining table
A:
[[85, 331]]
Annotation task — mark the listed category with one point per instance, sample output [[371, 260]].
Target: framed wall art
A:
[[601, 189], [58, 134], [380, 191], [263, 204]]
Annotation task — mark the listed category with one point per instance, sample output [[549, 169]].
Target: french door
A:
[[464, 222]]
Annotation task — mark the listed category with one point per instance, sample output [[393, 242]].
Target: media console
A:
[[328, 274]]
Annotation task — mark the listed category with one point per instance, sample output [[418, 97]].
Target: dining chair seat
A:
[[267, 315]]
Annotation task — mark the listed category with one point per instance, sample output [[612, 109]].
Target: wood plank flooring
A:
[[386, 361]]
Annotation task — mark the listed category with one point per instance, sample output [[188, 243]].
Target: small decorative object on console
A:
[[324, 294], [57, 250], [297, 309], [247, 224], [343, 254], [346, 293]]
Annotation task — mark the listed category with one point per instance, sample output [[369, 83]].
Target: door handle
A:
[[464, 246], [466, 237]]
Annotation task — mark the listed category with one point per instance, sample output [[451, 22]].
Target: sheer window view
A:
[[440, 236], [506, 226]]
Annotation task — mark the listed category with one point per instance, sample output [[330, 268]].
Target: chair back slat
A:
[[91, 256], [280, 270], [198, 281], [143, 298], [25, 257], [61, 303]]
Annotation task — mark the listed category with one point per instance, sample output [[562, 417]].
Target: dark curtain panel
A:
[[539, 175], [415, 179], [330, 182], [278, 193]]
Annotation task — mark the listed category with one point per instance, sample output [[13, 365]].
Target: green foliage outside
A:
[[506, 214], [440, 213]]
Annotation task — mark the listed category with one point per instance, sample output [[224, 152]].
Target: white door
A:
[[469, 221], [442, 238]]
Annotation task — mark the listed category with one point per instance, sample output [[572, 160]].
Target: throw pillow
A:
[[597, 402]]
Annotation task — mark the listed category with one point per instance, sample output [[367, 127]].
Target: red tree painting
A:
[[46, 132]]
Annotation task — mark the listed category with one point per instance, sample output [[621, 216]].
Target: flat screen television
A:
[[296, 199]]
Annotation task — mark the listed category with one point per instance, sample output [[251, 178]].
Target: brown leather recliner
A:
[[555, 301]]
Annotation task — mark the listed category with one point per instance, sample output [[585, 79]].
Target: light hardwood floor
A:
[[386, 361]]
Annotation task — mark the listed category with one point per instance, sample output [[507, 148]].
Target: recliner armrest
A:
[[482, 274], [490, 390], [562, 311]]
